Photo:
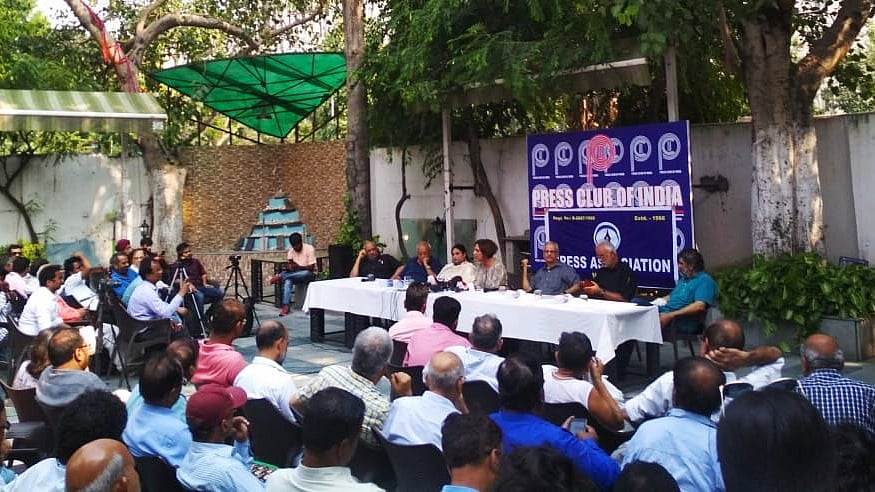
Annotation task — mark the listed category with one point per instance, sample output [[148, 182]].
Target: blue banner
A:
[[633, 168], [578, 231]]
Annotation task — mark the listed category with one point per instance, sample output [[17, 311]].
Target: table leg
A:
[[317, 325], [652, 354]]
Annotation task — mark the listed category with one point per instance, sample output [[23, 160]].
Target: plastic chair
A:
[[609, 440], [370, 463], [415, 373], [18, 345], [480, 397], [156, 475], [127, 347], [32, 434], [419, 468], [275, 440], [399, 349]]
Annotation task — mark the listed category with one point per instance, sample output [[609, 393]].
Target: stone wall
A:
[[227, 186]]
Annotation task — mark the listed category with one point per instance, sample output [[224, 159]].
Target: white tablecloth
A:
[[606, 323]]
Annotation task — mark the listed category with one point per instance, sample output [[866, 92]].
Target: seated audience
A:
[[31, 280], [93, 415], [540, 468], [694, 293], [684, 442], [332, 425], [723, 344], [77, 269], [124, 247], [420, 268], [146, 305], [418, 419], [218, 362], [102, 465], [137, 257], [459, 266], [855, 448], [428, 341], [29, 371], [210, 463], [640, 476], [490, 272], [472, 450], [185, 351], [68, 377], [41, 310], [121, 273], [371, 261], [839, 399], [480, 359], [775, 441], [154, 429], [15, 278], [521, 393], [578, 379], [300, 269], [370, 356], [415, 302], [265, 377]]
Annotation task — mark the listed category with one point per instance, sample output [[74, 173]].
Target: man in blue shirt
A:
[[521, 392], [694, 293], [472, 450], [684, 442], [121, 273], [554, 277], [420, 268]]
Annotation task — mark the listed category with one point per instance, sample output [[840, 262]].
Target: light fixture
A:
[[145, 229], [438, 226]]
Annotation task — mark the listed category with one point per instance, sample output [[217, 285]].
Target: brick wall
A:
[[227, 186]]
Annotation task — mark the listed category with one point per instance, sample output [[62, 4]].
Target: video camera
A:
[[235, 261]]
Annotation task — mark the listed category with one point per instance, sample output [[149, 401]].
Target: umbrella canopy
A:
[[269, 93]]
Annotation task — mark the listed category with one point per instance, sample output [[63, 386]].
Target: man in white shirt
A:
[[415, 303], [480, 360], [723, 343], [418, 419], [265, 377], [78, 268], [41, 310]]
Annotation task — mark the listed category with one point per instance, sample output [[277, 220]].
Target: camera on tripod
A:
[[235, 261]]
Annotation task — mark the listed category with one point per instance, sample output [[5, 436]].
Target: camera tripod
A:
[[180, 275], [237, 276]]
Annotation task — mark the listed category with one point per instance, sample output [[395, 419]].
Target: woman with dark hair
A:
[[29, 371], [491, 274], [459, 266]]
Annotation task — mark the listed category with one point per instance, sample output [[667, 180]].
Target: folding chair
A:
[[32, 435], [275, 440], [19, 344], [128, 348]]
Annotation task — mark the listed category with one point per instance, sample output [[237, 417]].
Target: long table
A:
[[523, 316]]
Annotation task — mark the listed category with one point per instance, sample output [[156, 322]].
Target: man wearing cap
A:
[[210, 464]]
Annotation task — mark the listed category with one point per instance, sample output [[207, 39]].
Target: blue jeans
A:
[[291, 278], [207, 294]]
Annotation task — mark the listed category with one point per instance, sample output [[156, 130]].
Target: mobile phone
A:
[[578, 424]]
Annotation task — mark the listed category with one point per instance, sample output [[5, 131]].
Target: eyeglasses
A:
[[731, 391]]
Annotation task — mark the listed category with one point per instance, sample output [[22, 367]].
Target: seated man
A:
[[15, 278], [694, 293], [415, 302], [472, 450], [521, 392], [146, 305], [121, 273], [578, 378], [77, 268], [839, 399], [265, 377], [104, 464], [218, 362], [67, 377], [210, 463], [191, 269], [93, 415], [41, 311], [614, 281], [153, 428], [723, 344], [480, 359], [370, 261], [422, 267], [418, 419], [370, 356], [435, 338], [300, 270], [554, 277], [332, 426], [684, 442]]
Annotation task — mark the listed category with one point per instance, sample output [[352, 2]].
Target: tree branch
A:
[[171, 21], [270, 34], [144, 14], [731, 58]]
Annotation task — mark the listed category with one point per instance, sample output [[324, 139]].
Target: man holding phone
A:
[[614, 281]]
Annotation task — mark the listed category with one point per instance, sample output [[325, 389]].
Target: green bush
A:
[[29, 250]]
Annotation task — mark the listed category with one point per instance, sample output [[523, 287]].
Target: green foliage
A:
[[29, 250], [350, 231], [797, 289]]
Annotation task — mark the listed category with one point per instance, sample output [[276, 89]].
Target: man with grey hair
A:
[[418, 419], [839, 399], [614, 281], [480, 360], [101, 466], [370, 356], [554, 277], [266, 377]]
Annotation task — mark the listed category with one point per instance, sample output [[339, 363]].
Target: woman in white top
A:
[[29, 371], [459, 266]]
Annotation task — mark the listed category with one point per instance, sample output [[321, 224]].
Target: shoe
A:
[[274, 279], [284, 311]]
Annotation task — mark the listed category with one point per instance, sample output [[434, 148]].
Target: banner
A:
[[641, 168], [578, 231]]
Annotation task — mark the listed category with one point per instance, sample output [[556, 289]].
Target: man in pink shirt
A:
[[438, 336], [300, 270], [415, 319], [218, 362]]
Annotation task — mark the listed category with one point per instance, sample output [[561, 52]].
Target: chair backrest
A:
[[128, 327], [419, 468], [17, 302], [480, 398], [415, 373], [399, 349], [18, 344], [156, 475], [370, 463], [275, 440], [26, 406], [556, 413]]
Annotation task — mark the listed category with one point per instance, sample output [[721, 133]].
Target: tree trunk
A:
[[786, 207], [483, 188], [6, 190], [358, 171], [404, 197], [167, 183]]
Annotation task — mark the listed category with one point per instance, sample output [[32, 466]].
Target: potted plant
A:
[[807, 293]]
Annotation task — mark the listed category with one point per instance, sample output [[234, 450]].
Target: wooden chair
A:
[[480, 397], [415, 373], [156, 475], [19, 344], [419, 468], [275, 440], [128, 348], [32, 434], [609, 440]]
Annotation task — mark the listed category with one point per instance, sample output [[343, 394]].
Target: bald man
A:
[[418, 419], [102, 465], [371, 261], [839, 399]]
